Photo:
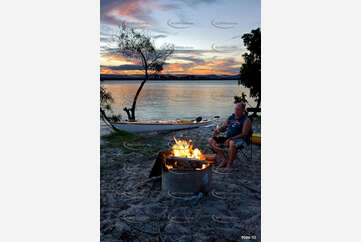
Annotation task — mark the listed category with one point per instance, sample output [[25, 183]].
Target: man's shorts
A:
[[239, 142]]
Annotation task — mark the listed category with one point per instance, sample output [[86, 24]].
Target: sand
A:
[[133, 207]]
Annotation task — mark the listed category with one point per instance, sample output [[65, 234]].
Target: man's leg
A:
[[232, 153], [219, 151]]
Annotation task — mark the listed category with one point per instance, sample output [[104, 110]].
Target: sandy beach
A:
[[133, 208]]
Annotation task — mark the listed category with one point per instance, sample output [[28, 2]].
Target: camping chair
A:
[[242, 149]]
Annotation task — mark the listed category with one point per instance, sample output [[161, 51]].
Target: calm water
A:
[[171, 100]]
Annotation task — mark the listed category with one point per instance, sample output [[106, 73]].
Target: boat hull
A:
[[141, 128]]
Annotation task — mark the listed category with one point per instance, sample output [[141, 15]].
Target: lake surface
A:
[[171, 100]]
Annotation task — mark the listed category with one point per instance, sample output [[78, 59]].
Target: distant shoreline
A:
[[169, 78], [140, 79]]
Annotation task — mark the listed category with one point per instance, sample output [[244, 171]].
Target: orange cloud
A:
[[107, 71], [115, 60], [225, 66]]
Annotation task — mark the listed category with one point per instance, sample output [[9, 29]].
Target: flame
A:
[[183, 148], [169, 166]]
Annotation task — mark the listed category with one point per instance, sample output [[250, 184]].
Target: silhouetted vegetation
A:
[[250, 72], [106, 100], [139, 47], [241, 99]]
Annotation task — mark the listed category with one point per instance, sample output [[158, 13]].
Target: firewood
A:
[[185, 163], [183, 159]]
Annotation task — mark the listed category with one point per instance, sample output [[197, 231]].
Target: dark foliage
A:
[[106, 100], [250, 72], [241, 99]]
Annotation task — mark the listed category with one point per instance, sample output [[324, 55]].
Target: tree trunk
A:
[[132, 110], [106, 120], [127, 110]]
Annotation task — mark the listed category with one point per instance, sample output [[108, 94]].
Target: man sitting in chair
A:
[[238, 127]]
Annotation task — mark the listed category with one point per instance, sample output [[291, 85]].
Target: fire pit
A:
[[185, 170]]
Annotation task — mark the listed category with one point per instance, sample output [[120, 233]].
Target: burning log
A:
[[185, 163], [162, 157]]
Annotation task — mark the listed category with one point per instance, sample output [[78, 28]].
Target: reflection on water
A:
[[170, 100]]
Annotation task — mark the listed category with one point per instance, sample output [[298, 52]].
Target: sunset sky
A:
[[206, 33]]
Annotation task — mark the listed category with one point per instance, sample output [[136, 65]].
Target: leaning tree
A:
[[250, 72], [106, 100], [139, 47]]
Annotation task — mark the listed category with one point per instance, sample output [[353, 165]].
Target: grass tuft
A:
[[116, 138]]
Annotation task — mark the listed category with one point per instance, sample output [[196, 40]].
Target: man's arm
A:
[[223, 128], [245, 130]]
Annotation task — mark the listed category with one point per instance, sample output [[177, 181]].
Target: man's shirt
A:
[[235, 125]]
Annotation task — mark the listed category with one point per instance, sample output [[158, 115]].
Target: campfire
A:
[[183, 156], [184, 169]]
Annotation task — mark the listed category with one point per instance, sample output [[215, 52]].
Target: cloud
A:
[[177, 65], [193, 3], [135, 13], [159, 36], [228, 66], [123, 67], [189, 59], [113, 12], [225, 66], [105, 39], [195, 52], [168, 6], [113, 60]]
